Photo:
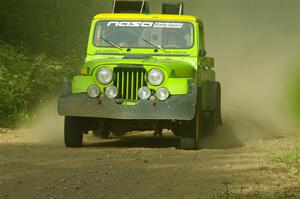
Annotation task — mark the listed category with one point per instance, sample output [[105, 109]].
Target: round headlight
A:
[[144, 93], [111, 92], [155, 77], [162, 93], [93, 91], [104, 76]]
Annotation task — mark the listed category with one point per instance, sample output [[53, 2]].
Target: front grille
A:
[[128, 81]]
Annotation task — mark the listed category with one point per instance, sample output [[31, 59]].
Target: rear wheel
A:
[[210, 121], [204, 123], [73, 131]]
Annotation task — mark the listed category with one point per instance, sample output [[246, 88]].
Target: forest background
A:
[[256, 45]]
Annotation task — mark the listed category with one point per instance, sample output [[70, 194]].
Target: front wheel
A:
[[191, 133], [73, 131]]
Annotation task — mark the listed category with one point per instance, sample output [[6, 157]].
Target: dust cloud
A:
[[255, 45], [47, 126]]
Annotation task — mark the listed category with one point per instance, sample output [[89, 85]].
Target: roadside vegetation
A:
[[42, 43], [27, 82]]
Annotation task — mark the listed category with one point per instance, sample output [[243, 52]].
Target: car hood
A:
[[174, 68]]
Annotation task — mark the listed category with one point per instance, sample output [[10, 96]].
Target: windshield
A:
[[144, 34]]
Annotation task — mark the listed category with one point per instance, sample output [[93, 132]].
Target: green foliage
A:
[[42, 44], [288, 159], [27, 82], [57, 28]]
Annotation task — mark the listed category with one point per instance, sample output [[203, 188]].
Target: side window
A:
[[201, 36], [97, 36]]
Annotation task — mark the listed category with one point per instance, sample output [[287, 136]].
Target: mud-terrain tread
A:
[[213, 119], [73, 132]]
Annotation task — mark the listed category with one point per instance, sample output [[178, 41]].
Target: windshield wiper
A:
[[111, 43], [153, 44]]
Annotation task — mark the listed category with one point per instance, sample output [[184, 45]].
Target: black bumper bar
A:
[[177, 107]]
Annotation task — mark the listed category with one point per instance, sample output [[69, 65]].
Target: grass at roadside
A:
[[228, 192], [27, 81], [289, 158], [276, 175]]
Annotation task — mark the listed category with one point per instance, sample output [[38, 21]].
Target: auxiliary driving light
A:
[[144, 93], [111, 92], [93, 91], [162, 93]]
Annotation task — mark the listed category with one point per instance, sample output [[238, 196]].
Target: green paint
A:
[[127, 103], [81, 83], [132, 88], [177, 86], [179, 66]]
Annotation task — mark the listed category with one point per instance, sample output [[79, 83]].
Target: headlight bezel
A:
[[150, 80], [109, 79]]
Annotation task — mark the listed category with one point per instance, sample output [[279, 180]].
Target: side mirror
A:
[[202, 52], [209, 62]]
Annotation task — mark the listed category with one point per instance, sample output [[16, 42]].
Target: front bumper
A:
[[177, 107]]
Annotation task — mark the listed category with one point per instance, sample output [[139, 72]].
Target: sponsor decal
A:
[[167, 25], [144, 24]]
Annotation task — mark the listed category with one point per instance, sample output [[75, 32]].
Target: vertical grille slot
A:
[[128, 81]]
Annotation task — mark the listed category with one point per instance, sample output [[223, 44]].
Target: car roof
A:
[[130, 16]]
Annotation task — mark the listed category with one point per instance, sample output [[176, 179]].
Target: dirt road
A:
[[142, 166]]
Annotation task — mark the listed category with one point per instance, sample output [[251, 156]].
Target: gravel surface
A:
[[140, 165]]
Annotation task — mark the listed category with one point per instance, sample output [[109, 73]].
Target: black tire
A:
[[204, 123], [191, 131], [73, 131], [210, 120], [219, 102]]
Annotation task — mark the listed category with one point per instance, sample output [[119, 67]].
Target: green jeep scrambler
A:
[[143, 72]]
